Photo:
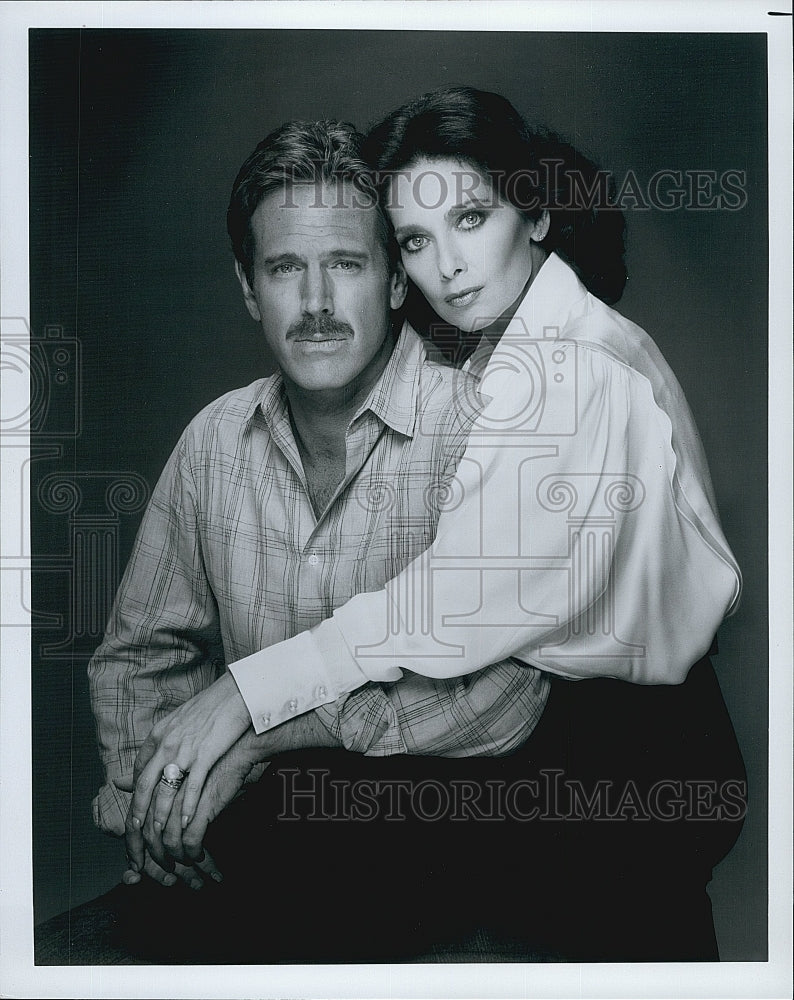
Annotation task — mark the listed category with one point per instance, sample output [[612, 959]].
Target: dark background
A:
[[135, 139]]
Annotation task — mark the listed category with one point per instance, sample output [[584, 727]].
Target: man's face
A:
[[321, 288]]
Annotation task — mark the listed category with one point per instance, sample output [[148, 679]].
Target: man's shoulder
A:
[[448, 396], [229, 413]]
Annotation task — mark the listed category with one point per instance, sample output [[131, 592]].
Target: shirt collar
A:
[[393, 398], [545, 307], [541, 314]]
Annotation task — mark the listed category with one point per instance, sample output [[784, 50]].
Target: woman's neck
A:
[[494, 331], [484, 341]]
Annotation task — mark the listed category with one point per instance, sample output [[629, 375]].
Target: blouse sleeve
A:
[[566, 539]]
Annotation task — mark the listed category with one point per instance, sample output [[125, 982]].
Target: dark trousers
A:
[[593, 842]]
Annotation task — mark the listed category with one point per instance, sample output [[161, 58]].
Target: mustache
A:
[[320, 327]]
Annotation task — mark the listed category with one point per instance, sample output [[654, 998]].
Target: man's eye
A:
[[414, 243], [347, 265], [284, 268]]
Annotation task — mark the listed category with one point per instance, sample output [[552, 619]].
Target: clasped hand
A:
[[171, 823]]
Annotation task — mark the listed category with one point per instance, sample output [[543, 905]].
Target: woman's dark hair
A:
[[532, 168]]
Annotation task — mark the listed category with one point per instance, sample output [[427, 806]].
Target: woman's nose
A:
[[450, 262], [317, 292]]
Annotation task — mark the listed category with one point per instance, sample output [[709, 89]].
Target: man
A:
[[281, 501]]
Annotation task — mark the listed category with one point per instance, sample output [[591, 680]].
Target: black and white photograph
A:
[[396, 458]]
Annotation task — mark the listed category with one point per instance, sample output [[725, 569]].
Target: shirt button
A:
[[266, 719], [293, 705], [313, 559], [321, 692]]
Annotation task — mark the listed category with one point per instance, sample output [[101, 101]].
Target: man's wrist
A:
[[306, 732]]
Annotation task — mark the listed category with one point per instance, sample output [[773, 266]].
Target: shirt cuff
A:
[[297, 675], [110, 809]]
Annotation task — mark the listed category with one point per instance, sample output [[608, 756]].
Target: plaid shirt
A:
[[230, 558]]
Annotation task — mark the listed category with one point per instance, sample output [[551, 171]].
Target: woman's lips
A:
[[464, 298]]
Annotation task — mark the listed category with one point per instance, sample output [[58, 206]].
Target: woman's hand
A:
[[193, 737]]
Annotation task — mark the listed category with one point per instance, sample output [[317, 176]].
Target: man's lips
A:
[[319, 340], [463, 298]]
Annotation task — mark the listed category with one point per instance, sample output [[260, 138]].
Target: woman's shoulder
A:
[[614, 344]]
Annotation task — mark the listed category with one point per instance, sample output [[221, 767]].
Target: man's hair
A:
[[322, 153]]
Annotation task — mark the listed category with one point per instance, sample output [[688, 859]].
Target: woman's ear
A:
[[248, 294], [541, 228], [399, 285]]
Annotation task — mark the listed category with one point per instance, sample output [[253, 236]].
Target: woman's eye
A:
[[471, 220], [414, 243]]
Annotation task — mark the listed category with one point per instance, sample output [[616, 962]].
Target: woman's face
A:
[[468, 251]]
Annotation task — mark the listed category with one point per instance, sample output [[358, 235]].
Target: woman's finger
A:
[[136, 848], [144, 789], [147, 750], [167, 790], [194, 784], [193, 836]]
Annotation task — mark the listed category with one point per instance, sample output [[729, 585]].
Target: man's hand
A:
[[222, 785], [194, 737], [191, 875]]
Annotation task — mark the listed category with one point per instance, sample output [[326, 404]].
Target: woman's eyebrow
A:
[[470, 202], [402, 230], [464, 206]]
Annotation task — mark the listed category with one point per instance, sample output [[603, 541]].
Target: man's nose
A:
[[450, 262], [317, 292]]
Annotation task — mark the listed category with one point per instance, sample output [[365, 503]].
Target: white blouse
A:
[[580, 533]]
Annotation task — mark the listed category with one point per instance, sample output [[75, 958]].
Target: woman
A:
[[580, 535]]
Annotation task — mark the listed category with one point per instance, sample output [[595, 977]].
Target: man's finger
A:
[[190, 876], [153, 870], [208, 866]]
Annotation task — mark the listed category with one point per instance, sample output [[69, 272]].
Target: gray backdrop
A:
[[138, 321]]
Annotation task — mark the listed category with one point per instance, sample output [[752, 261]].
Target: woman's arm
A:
[[580, 552]]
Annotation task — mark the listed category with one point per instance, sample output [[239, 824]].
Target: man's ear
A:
[[399, 285], [248, 295]]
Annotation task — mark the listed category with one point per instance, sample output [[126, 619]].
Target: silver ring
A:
[[173, 776]]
